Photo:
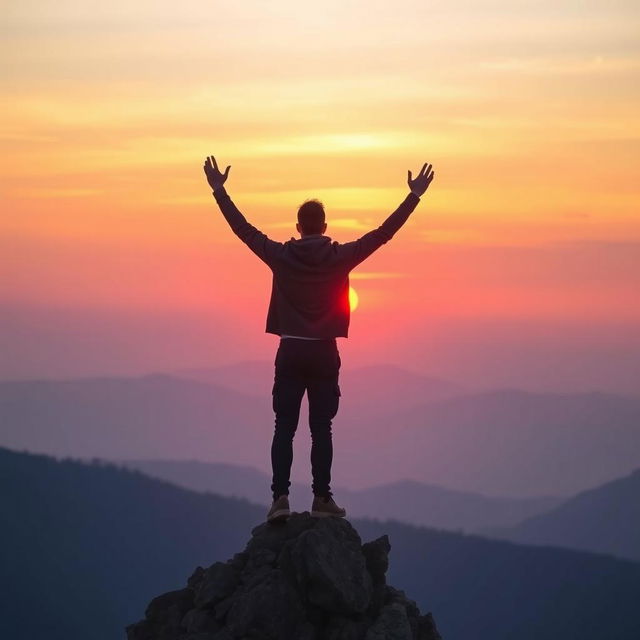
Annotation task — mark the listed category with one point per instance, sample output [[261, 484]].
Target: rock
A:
[[376, 555], [330, 567], [163, 617], [170, 607], [271, 606], [196, 620], [426, 628], [196, 578], [344, 628], [305, 579], [239, 559], [219, 581], [391, 624], [222, 608]]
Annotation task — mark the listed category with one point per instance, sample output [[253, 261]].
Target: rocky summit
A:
[[304, 579]]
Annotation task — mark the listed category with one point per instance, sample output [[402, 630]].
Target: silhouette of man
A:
[[309, 309]]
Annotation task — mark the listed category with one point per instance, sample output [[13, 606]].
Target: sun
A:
[[353, 299]]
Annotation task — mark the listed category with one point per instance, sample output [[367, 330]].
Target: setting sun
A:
[[353, 298]]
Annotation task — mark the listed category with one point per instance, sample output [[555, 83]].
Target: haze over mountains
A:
[[104, 540], [504, 442], [605, 519], [370, 388], [517, 443], [406, 500]]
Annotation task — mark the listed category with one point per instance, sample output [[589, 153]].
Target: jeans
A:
[[311, 365]]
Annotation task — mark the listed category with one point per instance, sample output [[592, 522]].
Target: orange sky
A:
[[528, 111]]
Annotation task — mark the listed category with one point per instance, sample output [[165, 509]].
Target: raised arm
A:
[[258, 242], [358, 250]]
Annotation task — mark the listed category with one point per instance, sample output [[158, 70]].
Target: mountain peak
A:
[[305, 579]]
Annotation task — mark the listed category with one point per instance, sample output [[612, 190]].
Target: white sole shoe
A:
[[280, 514], [315, 513]]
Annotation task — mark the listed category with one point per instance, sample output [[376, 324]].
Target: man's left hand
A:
[[214, 177]]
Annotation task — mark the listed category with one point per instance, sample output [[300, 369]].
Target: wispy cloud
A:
[[553, 65], [34, 192]]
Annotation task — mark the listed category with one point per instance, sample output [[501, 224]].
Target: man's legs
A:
[[312, 365], [323, 392], [288, 390]]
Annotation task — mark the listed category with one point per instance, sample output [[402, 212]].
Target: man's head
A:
[[311, 218]]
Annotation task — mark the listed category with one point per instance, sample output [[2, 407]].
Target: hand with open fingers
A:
[[214, 177], [422, 181]]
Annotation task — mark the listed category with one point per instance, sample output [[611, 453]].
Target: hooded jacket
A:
[[310, 286]]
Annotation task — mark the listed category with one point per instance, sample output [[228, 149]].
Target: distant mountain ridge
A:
[[505, 442], [515, 442], [406, 387], [405, 500], [605, 519]]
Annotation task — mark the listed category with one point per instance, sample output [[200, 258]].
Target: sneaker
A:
[[279, 509], [324, 506]]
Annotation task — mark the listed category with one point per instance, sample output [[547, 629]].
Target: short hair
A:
[[311, 216]]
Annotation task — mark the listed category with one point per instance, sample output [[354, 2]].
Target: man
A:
[[309, 309]]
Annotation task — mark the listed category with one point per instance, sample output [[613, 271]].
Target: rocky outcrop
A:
[[305, 579]]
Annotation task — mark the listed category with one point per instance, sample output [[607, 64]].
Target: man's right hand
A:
[[421, 183], [214, 177]]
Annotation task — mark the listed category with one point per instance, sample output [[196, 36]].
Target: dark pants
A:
[[311, 365]]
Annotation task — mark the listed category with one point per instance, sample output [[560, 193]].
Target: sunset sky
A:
[[520, 266]]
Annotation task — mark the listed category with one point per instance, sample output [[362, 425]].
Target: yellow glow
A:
[[353, 299]]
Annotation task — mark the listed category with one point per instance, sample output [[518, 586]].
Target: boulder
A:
[[304, 579]]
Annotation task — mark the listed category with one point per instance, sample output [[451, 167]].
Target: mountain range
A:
[[392, 426], [405, 500], [605, 519]]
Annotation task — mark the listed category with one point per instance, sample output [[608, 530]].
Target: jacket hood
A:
[[312, 249]]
